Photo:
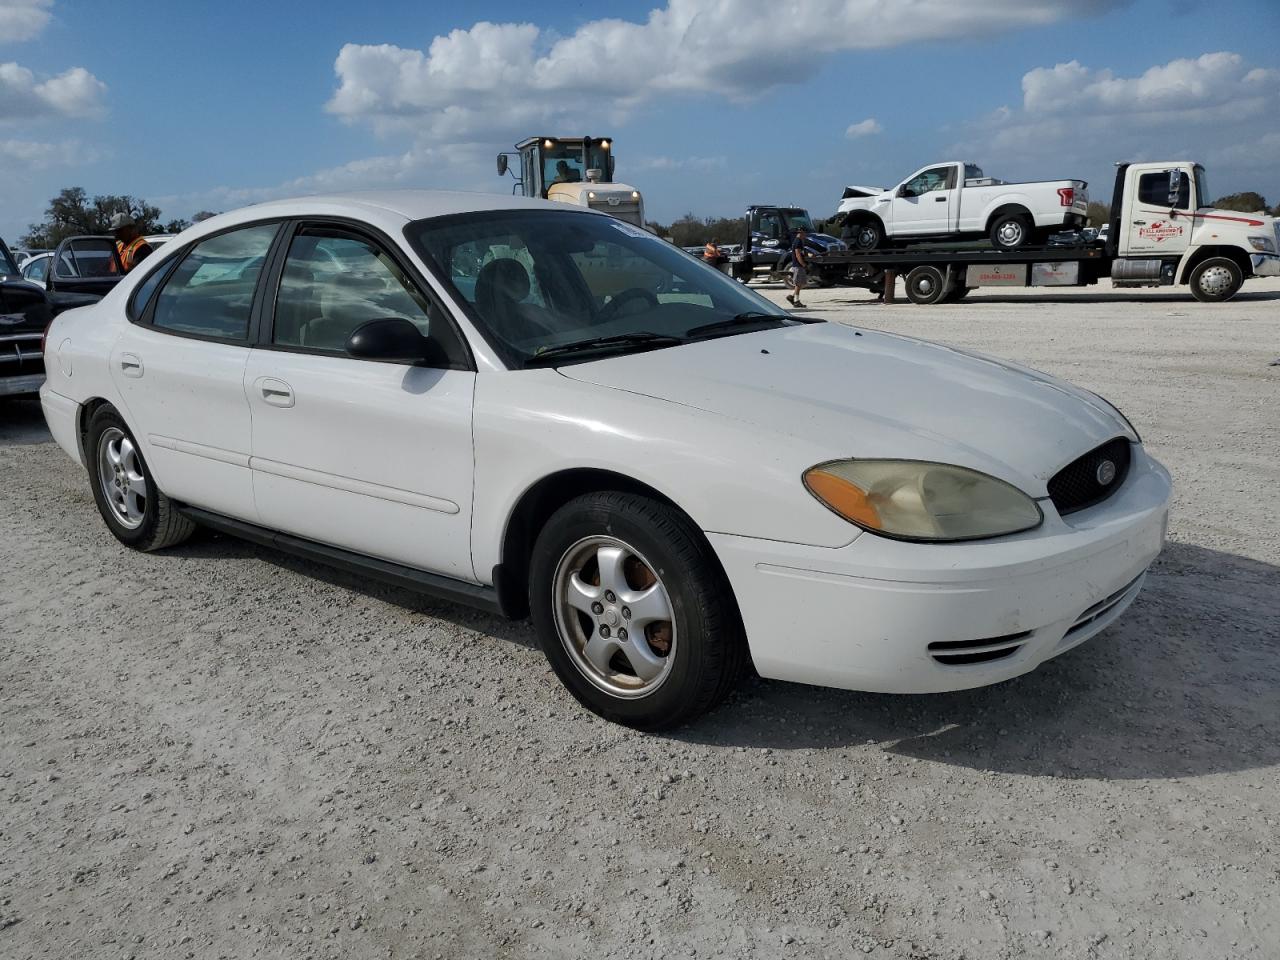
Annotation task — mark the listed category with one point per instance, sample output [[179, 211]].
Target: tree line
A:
[[74, 213]]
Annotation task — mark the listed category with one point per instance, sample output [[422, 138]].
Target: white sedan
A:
[[545, 411]]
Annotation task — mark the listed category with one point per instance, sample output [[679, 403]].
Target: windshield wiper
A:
[[639, 337], [750, 318]]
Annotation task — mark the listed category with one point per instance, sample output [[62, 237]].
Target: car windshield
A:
[[7, 267], [544, 282], [799, 220]]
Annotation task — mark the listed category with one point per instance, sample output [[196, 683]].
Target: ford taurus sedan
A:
[[547, 412]]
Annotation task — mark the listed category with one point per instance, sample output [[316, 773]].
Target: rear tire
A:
[[1011, 231], [926, 285], [134, 509], [615, 577], [1216, 279]]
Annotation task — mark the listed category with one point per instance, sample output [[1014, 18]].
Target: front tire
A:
[[633, 611], [1216, 280], [865, 235], [134, 509]]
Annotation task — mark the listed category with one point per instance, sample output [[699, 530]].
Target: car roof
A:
[[409, 204]]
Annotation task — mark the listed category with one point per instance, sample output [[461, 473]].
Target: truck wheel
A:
[[865, 235], [926, 285], [1010, 231], [1216, 280]]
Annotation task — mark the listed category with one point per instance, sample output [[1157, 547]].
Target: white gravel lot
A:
[[220, 751]]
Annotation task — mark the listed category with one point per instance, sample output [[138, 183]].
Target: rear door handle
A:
[[275, 392], [131, 364]]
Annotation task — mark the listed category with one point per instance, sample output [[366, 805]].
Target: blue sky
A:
[[713, 104]]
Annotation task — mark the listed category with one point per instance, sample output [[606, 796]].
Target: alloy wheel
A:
[[121, 477], [614, 617]]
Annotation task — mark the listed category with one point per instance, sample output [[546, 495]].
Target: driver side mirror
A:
[[1175, 187], [395, 340], [502, 164]]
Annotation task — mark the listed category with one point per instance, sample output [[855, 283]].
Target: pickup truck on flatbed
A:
[[957, 200], [1161, 232]]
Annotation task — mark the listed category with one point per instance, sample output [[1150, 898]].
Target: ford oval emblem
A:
[[1106, 472]]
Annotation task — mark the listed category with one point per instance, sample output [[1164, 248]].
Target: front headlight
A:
[[1263, 244], [918, 500]]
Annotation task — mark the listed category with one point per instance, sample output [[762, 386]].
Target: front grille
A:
[[1076, 485], [20, 354], [956, 652]]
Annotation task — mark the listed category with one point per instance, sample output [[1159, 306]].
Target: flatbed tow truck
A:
[[1161, 233]]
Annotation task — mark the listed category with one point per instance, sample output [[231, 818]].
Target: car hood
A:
[[862, 393]]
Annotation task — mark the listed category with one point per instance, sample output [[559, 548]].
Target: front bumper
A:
[[894, 617], [1265, 264]]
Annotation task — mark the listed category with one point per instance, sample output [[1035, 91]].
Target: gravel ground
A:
[[221, 751]]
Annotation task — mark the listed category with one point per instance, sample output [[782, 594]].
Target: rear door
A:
[[927, 203], [179, 366], [374, 457]]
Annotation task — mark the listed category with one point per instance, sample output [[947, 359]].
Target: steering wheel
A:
[[631, 293]]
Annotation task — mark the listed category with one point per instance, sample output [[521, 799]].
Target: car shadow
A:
[[209, 544], [1186, 683], [22, 421]]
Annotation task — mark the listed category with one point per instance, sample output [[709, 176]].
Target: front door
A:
[[924, 203], [179, 367], [374, 457], [1156, 226]]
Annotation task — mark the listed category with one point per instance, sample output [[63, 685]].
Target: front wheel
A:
[[1216, 280], [633, 611], [135, 510], [865, 235]]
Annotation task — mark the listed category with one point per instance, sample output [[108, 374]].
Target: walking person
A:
[[799, 268]]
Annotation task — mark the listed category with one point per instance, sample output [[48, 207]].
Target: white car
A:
[[541, 409], [36, 268]]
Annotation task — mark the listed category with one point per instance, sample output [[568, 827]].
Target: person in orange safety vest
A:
[[130, 244]]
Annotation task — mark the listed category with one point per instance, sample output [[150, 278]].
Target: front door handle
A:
[[275, 392], [939, 199], [1139, 223], [131, 365]]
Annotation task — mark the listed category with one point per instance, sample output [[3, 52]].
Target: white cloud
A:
[[73, 93], [23, 19], [1075, 120], [678, 163], [502, 76], [65, 153], [863, 128]]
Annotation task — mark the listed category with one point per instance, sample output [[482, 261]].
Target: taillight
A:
[[1068, 195]]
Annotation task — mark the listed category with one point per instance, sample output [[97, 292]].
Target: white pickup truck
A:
[[958, 200]]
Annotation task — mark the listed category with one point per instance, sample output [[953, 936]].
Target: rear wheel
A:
[[1216, 280], [1011, 231], [633, 611], [926, 285], [134, 509]]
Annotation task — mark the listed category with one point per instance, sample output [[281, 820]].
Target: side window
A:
[[333, 282], [87, 258], [210, 294], [142, 295], [927, 182], [770, 226], [1153, 188], [38, 269]]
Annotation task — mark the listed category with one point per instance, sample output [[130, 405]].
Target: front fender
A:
[[725, 474]]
